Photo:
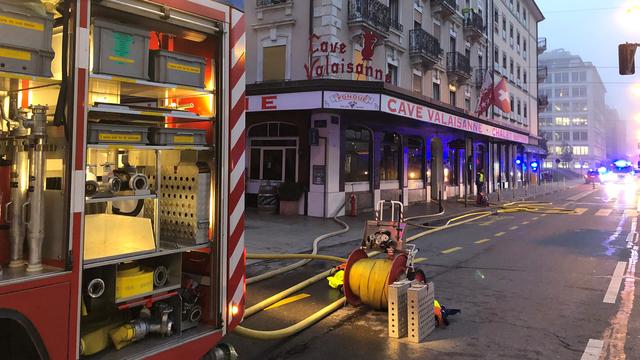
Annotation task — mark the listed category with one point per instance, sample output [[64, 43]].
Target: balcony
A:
[[473, 25], [396, 25], [543, 102], [478, 77], [542, 45], [445, 9], [542, 73], [371, 15], [424, 48], [267, 3], [458, 68]]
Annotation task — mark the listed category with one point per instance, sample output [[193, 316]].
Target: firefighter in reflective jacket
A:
[[479, 181]]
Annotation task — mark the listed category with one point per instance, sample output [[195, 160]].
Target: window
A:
[[524, 48], [519, 107], [580, 106], [562, 121], [583, 76], [392, 70], [526, 112], [274, 152], [394, 10], [452, 98], [496, 55], [512, 103], [390, 157], [415, 150], [504, 60], [561, 92], [524, 77], [579, 76], [436, 91], [417, 83], [518, 72], [504, 28], [274, 63], [580, 91], [511, 31], [580, 136], [580, 150], [357, 145], [452, 43], [545, 121], [561, 107], [511, 67], [467, 104], [578, 121]]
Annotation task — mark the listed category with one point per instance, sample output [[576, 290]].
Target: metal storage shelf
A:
[[34, 81], [150, 293], [148, 147], [93, 200], [124, 109], [161, 251], [143, 88]]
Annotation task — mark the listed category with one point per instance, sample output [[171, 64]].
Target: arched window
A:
[[274, 152], [415, 149], [357, 159], [390, 157]]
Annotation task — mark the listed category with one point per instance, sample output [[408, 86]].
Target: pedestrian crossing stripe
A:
[[579, 211], [604, 212]]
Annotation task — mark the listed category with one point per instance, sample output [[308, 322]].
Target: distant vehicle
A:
[[546, 176], [592, 176], [621, 172]]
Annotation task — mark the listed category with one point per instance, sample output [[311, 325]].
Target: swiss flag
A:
[[486, 94], [501, 96]]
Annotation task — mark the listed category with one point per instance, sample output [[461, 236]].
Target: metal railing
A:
[[479, 77], [457, 62], [372, 12], [421, 43], [542, 45], [474, 21], [265, 3], [542, 72], [395, 24], [451, 5]]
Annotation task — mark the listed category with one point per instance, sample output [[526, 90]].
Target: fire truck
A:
[[121, 178]]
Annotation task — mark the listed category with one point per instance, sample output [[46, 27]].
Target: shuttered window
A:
[[273, 63]]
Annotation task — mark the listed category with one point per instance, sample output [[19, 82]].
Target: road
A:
[[530, 286]]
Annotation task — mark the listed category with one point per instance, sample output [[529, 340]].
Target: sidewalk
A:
[[276, 234]]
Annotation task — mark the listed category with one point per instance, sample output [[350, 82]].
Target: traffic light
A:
[[626, 58]]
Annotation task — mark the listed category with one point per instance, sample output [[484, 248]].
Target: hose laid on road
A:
[[295, 256], [314, 251]]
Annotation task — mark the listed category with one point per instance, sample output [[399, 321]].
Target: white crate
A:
[[421, 321], [397, 305]]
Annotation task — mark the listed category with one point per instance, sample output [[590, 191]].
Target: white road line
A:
[[593, 350], [604, 212], [614, 285], [582, 195]]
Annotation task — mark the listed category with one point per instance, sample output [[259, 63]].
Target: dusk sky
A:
[[593, 29]]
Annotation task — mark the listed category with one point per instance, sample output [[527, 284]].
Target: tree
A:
[[567, 153]]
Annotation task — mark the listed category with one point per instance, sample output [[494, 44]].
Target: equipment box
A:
[[110, 134], [176, 136], [176, 68], [25, 28], [120, 49], [26, 61]]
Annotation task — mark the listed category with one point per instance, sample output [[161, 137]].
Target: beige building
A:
[[378, 98]]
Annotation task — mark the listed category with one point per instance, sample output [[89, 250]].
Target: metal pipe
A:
[[19, 186], [35, 236]]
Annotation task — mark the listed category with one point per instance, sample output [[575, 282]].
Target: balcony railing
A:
[[473, 21], [395, 24], [542, 45], [424, 47], [266, 3], [542, 72], [445, 8], [371, 13], [543, 102], [458, 64], [479, 75]]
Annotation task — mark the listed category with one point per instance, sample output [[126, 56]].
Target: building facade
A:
[[573, 122], [616, 137], [376, 98]]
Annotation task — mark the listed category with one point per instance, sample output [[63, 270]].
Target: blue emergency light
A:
[[518, 161], [534, 166]]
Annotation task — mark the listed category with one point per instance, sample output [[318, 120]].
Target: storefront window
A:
[[274, 152], [389, 157], [415, 148], [357, 145]]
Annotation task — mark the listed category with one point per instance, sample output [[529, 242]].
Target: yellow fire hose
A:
[[367, 273]]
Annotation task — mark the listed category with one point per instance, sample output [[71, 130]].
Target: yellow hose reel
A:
[[366, 280]]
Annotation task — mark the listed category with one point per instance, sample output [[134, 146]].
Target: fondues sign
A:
[[325, 65]]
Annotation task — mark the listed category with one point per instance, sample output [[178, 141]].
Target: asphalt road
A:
[[529, 286]]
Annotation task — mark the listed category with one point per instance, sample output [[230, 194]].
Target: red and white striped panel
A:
[[235, 249]]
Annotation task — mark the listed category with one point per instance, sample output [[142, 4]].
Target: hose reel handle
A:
[[6, 212]]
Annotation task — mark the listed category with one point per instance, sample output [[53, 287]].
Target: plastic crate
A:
[[120, 49], [117, 134], [177, 136], [177, 68], [23, 27], [26, 61]]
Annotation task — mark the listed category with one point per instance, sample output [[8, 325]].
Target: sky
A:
[[593, 29]]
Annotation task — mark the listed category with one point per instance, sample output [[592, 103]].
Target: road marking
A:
[[593, 350], [536, 218], [449, 251], [513, 228], [579, 211], [499, 234], [419, 260], [604, 212], [631, 213], [525, 223], [288, 301], [582, 195], [487, 223], [481, 241], [543, 215], [614, 285]]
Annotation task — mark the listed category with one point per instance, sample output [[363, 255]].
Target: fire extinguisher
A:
[[5, 197], [353, 203]]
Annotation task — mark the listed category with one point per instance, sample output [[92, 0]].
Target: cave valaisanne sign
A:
[[324, 66]]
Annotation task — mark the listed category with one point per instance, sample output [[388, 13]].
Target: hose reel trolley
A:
[[366, 279]]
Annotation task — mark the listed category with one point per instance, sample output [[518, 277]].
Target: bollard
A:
[[440, 208]]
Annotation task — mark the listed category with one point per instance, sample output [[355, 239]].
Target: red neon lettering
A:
[[268, 102]]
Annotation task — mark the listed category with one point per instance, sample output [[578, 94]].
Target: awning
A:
[[532, 149]]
